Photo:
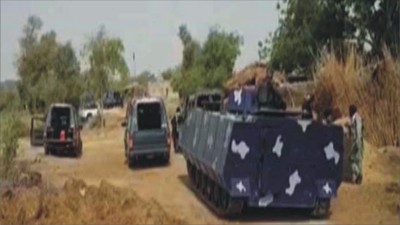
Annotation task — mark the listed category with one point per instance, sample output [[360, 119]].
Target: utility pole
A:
[[134, 63]]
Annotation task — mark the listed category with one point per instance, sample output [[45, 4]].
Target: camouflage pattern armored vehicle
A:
[[209, 99], [261, 156]]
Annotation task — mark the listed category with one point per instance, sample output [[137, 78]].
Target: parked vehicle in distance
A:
[[62, 130], [147, 131], [88, 110], [112, 99]]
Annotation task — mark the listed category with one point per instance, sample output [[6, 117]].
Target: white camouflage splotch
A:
[[330, 153], [237, 96], [241, 187], [242, 149], [277, 149], [266, 200], [304, 124], [327, 188], [294, 180]]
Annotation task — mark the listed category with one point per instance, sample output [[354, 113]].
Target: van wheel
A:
[[78, 153], [131, 161]]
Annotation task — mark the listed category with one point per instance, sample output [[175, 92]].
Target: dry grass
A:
[[257, 71], [375, 91], [294, 93], [78, 203]]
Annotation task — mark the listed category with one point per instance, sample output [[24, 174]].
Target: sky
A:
[[148, 28]]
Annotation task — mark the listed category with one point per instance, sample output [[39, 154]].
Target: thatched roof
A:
[[254, 72]]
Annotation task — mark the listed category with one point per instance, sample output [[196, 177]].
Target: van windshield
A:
[[149, 116]]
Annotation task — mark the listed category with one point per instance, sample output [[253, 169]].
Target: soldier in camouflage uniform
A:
[[174, 123], [357, 149]]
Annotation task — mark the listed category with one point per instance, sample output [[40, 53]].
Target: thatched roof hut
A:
[[135, 90], [254, 74], [257, 72]]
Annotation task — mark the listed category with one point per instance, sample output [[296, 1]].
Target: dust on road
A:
[[103, 159]]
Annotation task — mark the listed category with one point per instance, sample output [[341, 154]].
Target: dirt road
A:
[[103, 160]]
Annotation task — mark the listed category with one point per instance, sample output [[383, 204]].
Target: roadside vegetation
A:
[[11, 129], [374, 88]]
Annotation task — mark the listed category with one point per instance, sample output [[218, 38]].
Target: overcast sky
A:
[[148, 28]]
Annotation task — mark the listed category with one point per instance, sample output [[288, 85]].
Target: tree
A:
[[378, 24], [167, 74], [307, 26], [145, 77], [191, 48], [218, 57], [106, 61], [49, 71], [30, 30], [207, 66]]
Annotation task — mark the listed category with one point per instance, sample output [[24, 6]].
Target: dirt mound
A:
[[375, 200], [79, 203]]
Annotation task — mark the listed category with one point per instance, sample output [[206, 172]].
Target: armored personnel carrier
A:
[[210, 99], [259, 154]]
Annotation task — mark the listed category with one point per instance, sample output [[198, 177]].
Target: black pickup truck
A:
[[60, 131], [147, 132]]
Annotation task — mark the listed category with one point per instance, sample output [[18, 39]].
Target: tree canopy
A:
[[107, 65], [144, 78], [205, 66], [307, 26], [48, 70]]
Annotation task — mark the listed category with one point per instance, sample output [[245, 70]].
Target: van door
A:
[[37, 130], [150, 127]]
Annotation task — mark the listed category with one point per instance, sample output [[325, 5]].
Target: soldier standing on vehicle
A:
[[307, 106], [269, 97], [328, 117], [357, 149]]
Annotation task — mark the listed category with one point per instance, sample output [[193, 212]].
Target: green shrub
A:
[[10, 131]]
